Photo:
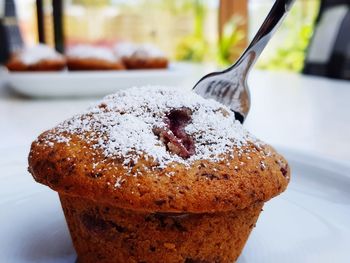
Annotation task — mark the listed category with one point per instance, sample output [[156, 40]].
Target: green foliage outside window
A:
[[94, 3], [227, 51], [289, 54], [285, 52], [194, 47]]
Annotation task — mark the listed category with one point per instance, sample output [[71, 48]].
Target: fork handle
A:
[[267, 29]]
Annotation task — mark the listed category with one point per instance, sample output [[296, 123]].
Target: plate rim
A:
[[173, 67], [84, 84], [315, 159]]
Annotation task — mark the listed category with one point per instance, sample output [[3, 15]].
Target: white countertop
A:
[[303, 113]]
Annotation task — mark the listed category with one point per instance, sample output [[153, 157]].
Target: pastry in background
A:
[[144, 56], [86, 57], [36, 58]]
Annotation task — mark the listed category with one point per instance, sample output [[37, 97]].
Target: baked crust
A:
[[145, 62], [255, 174], [108, 234], [15, 64], [93, 64]]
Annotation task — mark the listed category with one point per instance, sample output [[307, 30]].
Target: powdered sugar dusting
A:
[[124, 49], [35, 54], [87, 51], [122, 126], [148, 51], [145, 50]]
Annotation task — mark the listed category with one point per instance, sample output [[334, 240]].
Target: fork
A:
[[229, 86]]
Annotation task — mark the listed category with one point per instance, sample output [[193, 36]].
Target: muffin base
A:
[[44, 65], [145, 63], [102, 233], [93, 64]]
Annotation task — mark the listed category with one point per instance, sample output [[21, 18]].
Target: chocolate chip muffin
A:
[[158, 174]]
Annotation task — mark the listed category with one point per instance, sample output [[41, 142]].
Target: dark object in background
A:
[[40, 20], [10, 36], [57, 7], [329, 50]]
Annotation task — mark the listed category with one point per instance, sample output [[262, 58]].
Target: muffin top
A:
[[148, 51], [124, 49], [37, 53], [159, 149], [138, 51], [91, 52]]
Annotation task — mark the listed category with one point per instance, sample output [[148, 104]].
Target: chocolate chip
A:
[[68, 188], [100, 226], [93, 223], [102, 106], [95, 175], [160, 202], [152, 248], [210, 176], [179, 226], [191, 260], [117, 227], [284, 170], [172, 221]]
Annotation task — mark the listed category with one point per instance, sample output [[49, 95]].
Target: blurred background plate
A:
[[95, 83], [307, 223]]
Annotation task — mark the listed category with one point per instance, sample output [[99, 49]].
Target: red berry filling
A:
[[174, 135]]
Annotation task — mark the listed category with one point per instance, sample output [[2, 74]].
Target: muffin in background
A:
[[87, 57], [141, 56], [158, 174], [36, 58]]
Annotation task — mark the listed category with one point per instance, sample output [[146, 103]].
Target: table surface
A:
[[304, 113]]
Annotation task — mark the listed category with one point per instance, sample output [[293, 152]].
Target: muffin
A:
[[37, 58], [85, 57], [158, 174], [144, 56]]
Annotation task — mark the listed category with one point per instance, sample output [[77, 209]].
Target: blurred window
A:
[[192, 30]]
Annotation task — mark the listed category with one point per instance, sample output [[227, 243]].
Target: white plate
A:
[[94, 83], [310, 222]]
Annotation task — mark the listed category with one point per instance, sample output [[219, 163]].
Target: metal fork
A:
[[229, 86]]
